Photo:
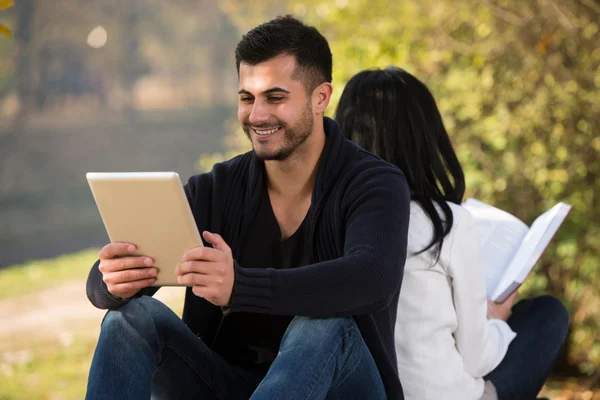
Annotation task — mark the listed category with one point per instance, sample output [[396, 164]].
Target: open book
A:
[[510, 247]]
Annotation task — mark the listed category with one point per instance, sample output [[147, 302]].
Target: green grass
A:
[[51, 370], [38, 275], [49, 367]]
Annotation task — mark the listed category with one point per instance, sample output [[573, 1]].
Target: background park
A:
[[147, 85]]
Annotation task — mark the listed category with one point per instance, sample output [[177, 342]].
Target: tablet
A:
[[149, 210]]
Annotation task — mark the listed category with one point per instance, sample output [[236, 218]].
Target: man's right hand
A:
[[125, 274]]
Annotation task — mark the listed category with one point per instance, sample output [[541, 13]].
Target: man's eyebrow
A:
[[274, 90], [268, 91]]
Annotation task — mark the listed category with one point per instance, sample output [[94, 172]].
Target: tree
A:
[[13, 142], [4, 4]]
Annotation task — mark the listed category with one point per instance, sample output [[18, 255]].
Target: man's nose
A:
[[259, 113]]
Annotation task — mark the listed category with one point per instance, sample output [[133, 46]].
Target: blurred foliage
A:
[[518, 85], [234, 143], [79, 75], [180, 42], [4, 4]]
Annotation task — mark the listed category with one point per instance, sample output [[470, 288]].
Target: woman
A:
[[451, 341]]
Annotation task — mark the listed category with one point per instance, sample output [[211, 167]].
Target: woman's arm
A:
[[481, 342]]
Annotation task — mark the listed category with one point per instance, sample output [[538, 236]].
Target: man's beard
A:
[[293, 138]]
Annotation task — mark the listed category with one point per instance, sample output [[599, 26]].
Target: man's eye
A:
[[246, 99], [275, 99]]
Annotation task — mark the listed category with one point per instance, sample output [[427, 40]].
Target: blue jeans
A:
[[146, 351], [541, 324]]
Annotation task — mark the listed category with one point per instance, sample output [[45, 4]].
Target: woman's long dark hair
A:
[[393, 115]]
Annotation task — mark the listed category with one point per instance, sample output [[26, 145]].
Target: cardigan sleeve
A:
[[100, 297], [481, 342], [364, 280]]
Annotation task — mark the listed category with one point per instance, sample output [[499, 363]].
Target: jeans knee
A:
[[316, 331], [555, 314], [137, 313]]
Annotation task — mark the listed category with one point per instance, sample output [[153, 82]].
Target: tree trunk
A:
[[13, 151], [25, 85]]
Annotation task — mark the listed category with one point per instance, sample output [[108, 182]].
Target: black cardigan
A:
[[359, 223]]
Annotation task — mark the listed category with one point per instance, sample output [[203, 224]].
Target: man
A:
[[297, 297]]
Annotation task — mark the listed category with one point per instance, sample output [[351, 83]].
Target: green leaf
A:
[[4, 4], [5, 31]]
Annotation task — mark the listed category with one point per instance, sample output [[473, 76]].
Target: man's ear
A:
[[321, 96]]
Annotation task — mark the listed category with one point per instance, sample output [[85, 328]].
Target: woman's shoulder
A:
[[421, 228], [460, 214]]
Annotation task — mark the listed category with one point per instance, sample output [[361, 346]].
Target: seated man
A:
[[297, 296]]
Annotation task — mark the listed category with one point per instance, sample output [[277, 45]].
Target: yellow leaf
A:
[[5, 31], [4, 4]]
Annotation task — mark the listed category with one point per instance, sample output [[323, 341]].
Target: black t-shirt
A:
[[254, 338]]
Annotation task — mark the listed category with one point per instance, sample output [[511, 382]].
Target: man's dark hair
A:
[[288, 36]]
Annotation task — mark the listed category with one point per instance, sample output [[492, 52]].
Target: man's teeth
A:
[[265, 131]]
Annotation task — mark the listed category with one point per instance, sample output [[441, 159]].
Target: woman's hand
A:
[[501, 310]]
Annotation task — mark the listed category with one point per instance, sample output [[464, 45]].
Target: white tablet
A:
[[149, 210]]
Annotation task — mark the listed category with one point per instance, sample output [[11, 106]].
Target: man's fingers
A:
[[123, 263], [128, 289], [113, 250], [216, 240], [201, 253], [200, 267], [130, 275], [207, 293], [194, 279]]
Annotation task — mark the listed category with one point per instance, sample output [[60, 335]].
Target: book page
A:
[[534, 243], [501, 234]]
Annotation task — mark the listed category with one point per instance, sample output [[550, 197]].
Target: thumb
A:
[[216, 240], [511, 298]]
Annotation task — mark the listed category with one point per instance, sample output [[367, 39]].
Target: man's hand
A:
[[125, 274], [209, 270], [501, 310]]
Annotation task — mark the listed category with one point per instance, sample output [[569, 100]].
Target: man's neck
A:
[[296, 175]]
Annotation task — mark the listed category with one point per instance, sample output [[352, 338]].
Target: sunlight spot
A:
[[97, 37]]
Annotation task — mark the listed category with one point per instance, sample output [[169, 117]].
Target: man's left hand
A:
[[209, 270]]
